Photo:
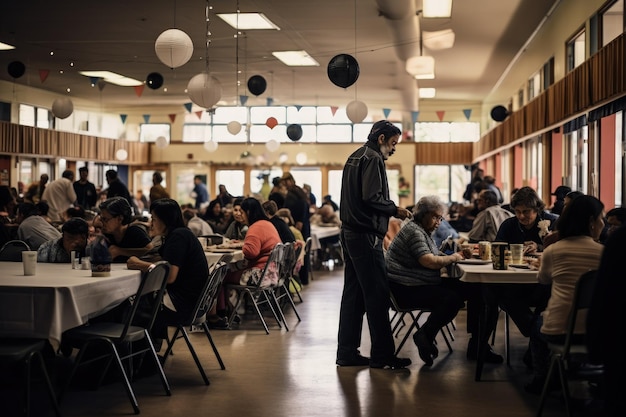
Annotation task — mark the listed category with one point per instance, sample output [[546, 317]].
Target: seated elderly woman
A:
[[125, 239], [237, 229], [74, 232], [414, 266]]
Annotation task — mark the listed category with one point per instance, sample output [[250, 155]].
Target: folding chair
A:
[[256, 293], [116, 337], [280, 292], [24, 352], [12, 250], [569, 359], [207, 299]]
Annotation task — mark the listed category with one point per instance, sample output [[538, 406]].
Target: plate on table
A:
[[473, 261], [222, 250], [520, 266]]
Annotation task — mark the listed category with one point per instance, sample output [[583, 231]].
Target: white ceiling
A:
[[119, 36]]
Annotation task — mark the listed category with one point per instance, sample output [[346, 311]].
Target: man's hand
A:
[[403, 213]]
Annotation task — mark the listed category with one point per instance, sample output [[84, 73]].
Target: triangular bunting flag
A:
[[188, 106], [172, 117], [467, 113], [243, 100], [298, 107], [440, 115], [414, 116], [333, 109], [146, 118], [123, 117], [386, 112], [199, 114], [270, 101], [43, 75], [139, 89]]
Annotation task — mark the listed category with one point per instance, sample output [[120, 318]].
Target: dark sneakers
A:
[[490, 355], [392, 363], [357, 360]]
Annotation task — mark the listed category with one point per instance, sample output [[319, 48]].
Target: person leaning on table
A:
[[74, 233], [414, 265]]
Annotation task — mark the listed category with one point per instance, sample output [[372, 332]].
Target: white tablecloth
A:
[[486, 274], [320, 232], [213, 257], [58, 297]]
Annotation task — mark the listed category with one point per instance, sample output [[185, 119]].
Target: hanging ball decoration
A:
[[257, 85], [174, 48], [233, 127], [294, 132], [16, 69], [204, 90], [272, 145], [301, 158], [121, 154], [210, 145], [356, 111], [283, 157], [154, 80], [499, 113], [161, 142], [343, 70], [62, 107], [271, 122]]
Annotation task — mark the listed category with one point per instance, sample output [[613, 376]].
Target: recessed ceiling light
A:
[[296, 58], [6, 46], [427, 92], [421, 67], [248, 21], [437, 8], [113, 78]]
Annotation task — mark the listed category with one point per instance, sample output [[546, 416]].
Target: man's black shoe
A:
[[357, 360], [424, 347], [392, 363], [490, 355]]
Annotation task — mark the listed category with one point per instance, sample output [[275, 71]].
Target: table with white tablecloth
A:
[[58, 297], [321, 232], [213, 256]]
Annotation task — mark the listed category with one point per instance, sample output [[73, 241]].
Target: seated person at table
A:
[[325, 216], [281, 226], [562, 264], [198, 226], [34, 229], [285, 215], [237, 229], [214, 216], [414, 266], [74, 233], [125, 239], [489, 218], [188, 264], [258, 244]]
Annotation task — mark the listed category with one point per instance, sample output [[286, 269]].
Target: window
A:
[[233, 179], [534, 85], [576, 50], [612, 20], [149, 132], [446, 181], [447, 132]]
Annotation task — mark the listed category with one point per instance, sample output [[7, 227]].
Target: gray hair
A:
[[425, 205]]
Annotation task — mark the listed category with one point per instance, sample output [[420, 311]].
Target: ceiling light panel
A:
[[436, 8], [296, 58], [113, 78], [6, 46], [248, 21]]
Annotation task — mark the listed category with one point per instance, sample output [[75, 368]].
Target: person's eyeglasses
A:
[[106, 219], [437, 217]]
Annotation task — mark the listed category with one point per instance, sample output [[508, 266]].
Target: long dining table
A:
[[483, 273], [58, 298]]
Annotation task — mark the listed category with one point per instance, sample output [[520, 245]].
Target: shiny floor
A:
[[294, 374]]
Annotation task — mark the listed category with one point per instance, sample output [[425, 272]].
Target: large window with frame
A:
[[576, 159], [576, 50], [612, 21], [446, 181]]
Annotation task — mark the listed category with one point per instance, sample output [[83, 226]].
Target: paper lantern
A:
[[233, 127], [271, 122], [204, 90], [294, 132], [154, 80], [62, 107], [301, 158], [210, 145], [16, 69], [343, 70], [121, 154], [174, 48], [356, 111], [283, 157], [161, 142], [272, 145], [257, 85]]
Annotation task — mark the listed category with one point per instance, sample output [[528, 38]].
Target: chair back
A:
[[583, 295], [12, 250], [149, 294], [273, 265], [208, 295], [288, 262]]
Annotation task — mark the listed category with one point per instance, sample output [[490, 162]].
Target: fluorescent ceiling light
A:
[[296, 58], [421, 67], [440, 39], [113, 78], [427, 92], [436, 8], [6, 46], [248, 21]]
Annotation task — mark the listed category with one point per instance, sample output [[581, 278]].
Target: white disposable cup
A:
[[29, 260]]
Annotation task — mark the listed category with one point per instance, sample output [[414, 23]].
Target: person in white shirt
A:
[[198, 226], [60, 195], [34, 229], [489, 218]]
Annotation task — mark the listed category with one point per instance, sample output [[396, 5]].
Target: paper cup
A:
[[29, 260], [484, 250]]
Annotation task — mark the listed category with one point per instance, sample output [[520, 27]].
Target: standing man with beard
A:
[[365, 210]]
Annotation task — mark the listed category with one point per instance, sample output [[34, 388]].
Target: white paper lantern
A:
[[121, 154], [356, 111], [233, 127], [62, 107], [283, 157], [174, 48], [161, 142], [272, 145], [204, 90], [301, 158], [210, 145]]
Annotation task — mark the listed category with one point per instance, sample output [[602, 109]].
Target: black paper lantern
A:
[[16, 69], [154, 80], [343, 70], [294, 132], [499, 113], [257, 85]]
